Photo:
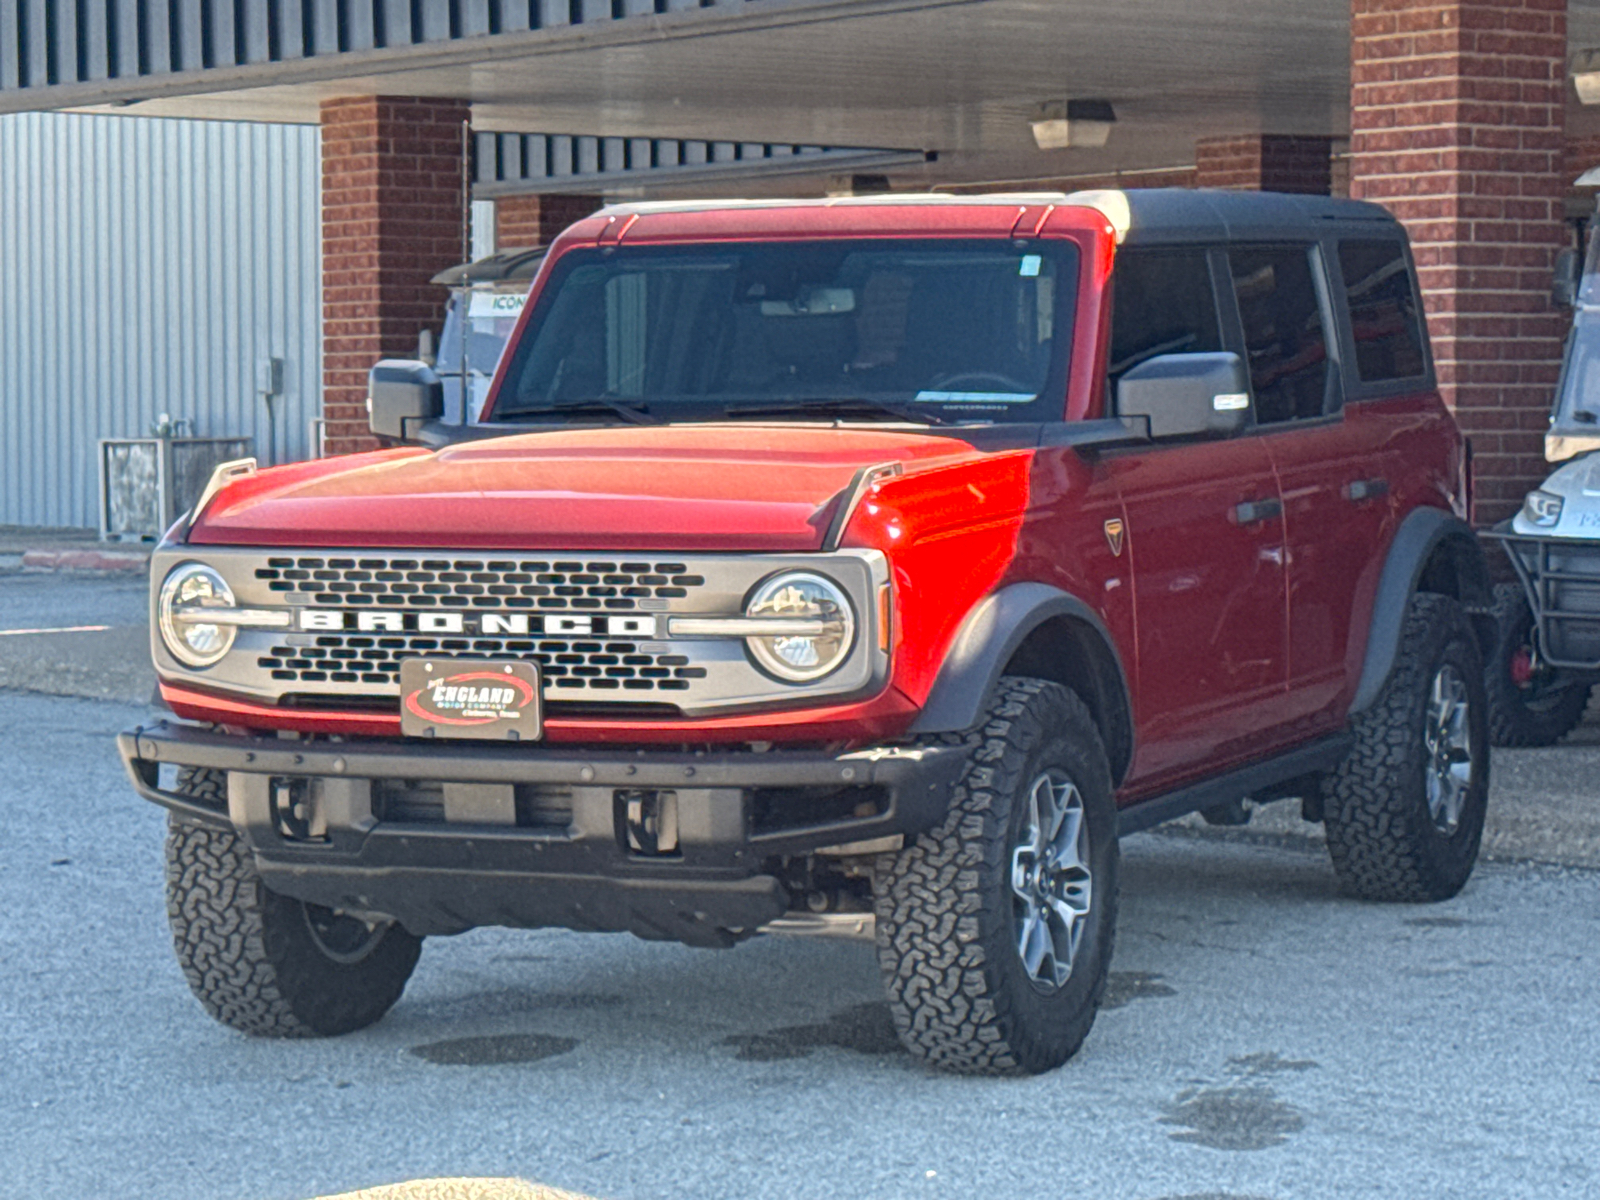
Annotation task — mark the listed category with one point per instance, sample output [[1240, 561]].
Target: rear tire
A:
[[995, 930], [1405, 810], [267, 964], [1528, 705]]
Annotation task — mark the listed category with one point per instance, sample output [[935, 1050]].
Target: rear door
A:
[[1333, 330], [1205, 540]]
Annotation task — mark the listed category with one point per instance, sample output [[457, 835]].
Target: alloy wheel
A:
[[1447, 734], [1051, 884]]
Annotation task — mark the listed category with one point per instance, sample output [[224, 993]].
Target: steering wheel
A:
[[998, 382]]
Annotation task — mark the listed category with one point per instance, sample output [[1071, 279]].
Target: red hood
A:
[[722, 487]]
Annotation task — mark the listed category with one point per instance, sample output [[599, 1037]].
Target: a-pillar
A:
[[1457, 111], [1265, 162], [391, 219], [536, 220]]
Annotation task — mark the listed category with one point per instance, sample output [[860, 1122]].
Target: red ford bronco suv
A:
[[896, 553]]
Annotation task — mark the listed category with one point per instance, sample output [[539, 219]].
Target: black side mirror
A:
[[1188, 395], [402, 393], [1568, 272]]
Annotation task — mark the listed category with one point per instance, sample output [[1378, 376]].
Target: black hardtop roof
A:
[[1169, 215]]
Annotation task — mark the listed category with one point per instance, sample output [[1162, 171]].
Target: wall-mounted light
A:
[[1585, 68], [1060, 124]]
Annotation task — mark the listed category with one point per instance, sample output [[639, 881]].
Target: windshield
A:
[[1577, 407], [936, 330], [492, 315]]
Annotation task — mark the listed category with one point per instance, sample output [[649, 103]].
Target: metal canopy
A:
[[960, 77]]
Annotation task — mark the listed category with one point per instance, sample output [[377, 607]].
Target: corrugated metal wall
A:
[[148, 266]]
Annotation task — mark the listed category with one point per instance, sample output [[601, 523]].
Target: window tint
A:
[[968, 328], [1163, 305], [1383, 311], [1283, 332]]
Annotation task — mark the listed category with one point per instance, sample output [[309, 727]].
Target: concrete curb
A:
[[80, 560]]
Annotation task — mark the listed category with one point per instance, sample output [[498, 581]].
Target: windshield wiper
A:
[[628, 412], [836, 404]]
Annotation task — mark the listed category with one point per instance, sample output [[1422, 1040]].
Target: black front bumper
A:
[[1561, 579], [446, 837]]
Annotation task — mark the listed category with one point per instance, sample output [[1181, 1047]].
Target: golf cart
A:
[[1547, 657], [487, 298]]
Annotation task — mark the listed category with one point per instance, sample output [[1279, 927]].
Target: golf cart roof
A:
[[514, 264]]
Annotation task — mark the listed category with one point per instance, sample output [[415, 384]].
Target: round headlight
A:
[[801, 596], [190, 589]]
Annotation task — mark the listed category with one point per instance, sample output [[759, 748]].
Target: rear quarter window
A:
[[1385, 317]]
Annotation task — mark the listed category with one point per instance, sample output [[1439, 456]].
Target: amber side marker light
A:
[[885, 617]]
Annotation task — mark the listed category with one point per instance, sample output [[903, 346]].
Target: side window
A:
[[1283, 334], [1162, 304], [1383, 311]]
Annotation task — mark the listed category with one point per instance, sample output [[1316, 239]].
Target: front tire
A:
[[995, 930], [1405, 810], [1529, 704], [263, 963]]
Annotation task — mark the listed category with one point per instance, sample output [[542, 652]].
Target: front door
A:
[[1205, 545]]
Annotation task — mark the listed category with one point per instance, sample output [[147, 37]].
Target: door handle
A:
[[1365, 489], [1251, 511]]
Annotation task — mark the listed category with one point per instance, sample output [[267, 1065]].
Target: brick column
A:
[[535, 220], [1265, 162], [1456, 118], [391, 218]]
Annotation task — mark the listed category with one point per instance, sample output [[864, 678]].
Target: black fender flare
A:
[[988, 638], [1421, 536]]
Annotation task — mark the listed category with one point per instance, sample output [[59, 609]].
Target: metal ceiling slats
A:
[[94, 47], [513, 163], [89, 47], [222, 45], [9, 65], [323, 26], [187, 40], [155, 42], [474, 18], [64, 60], [129, 39]]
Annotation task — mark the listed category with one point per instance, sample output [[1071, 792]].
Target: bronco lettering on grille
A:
[[489, 624]]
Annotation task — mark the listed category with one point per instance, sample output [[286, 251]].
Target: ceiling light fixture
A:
[[1585, 68], [1064, 124]]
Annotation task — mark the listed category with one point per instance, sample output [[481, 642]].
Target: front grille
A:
[[1562, 578], [492, 583], [567, 665]]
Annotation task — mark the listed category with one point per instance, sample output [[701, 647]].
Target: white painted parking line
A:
[[61, 629]]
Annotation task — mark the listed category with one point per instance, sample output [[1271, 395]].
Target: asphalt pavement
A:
[[1263, 1038], [76, 634]]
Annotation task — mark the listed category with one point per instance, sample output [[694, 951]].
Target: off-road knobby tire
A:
[[959, 993], [248, 952], [1515, 717], [1383, 842]]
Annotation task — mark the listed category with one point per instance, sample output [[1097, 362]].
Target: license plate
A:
[[487, 699]]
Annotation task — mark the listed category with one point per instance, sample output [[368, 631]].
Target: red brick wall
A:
[[536, 220], [1457, 110], [391, 218], [1265, 163], [1582, 153]]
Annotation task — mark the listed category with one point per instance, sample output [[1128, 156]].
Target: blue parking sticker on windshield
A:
[[975, 397], [1030, 265]]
